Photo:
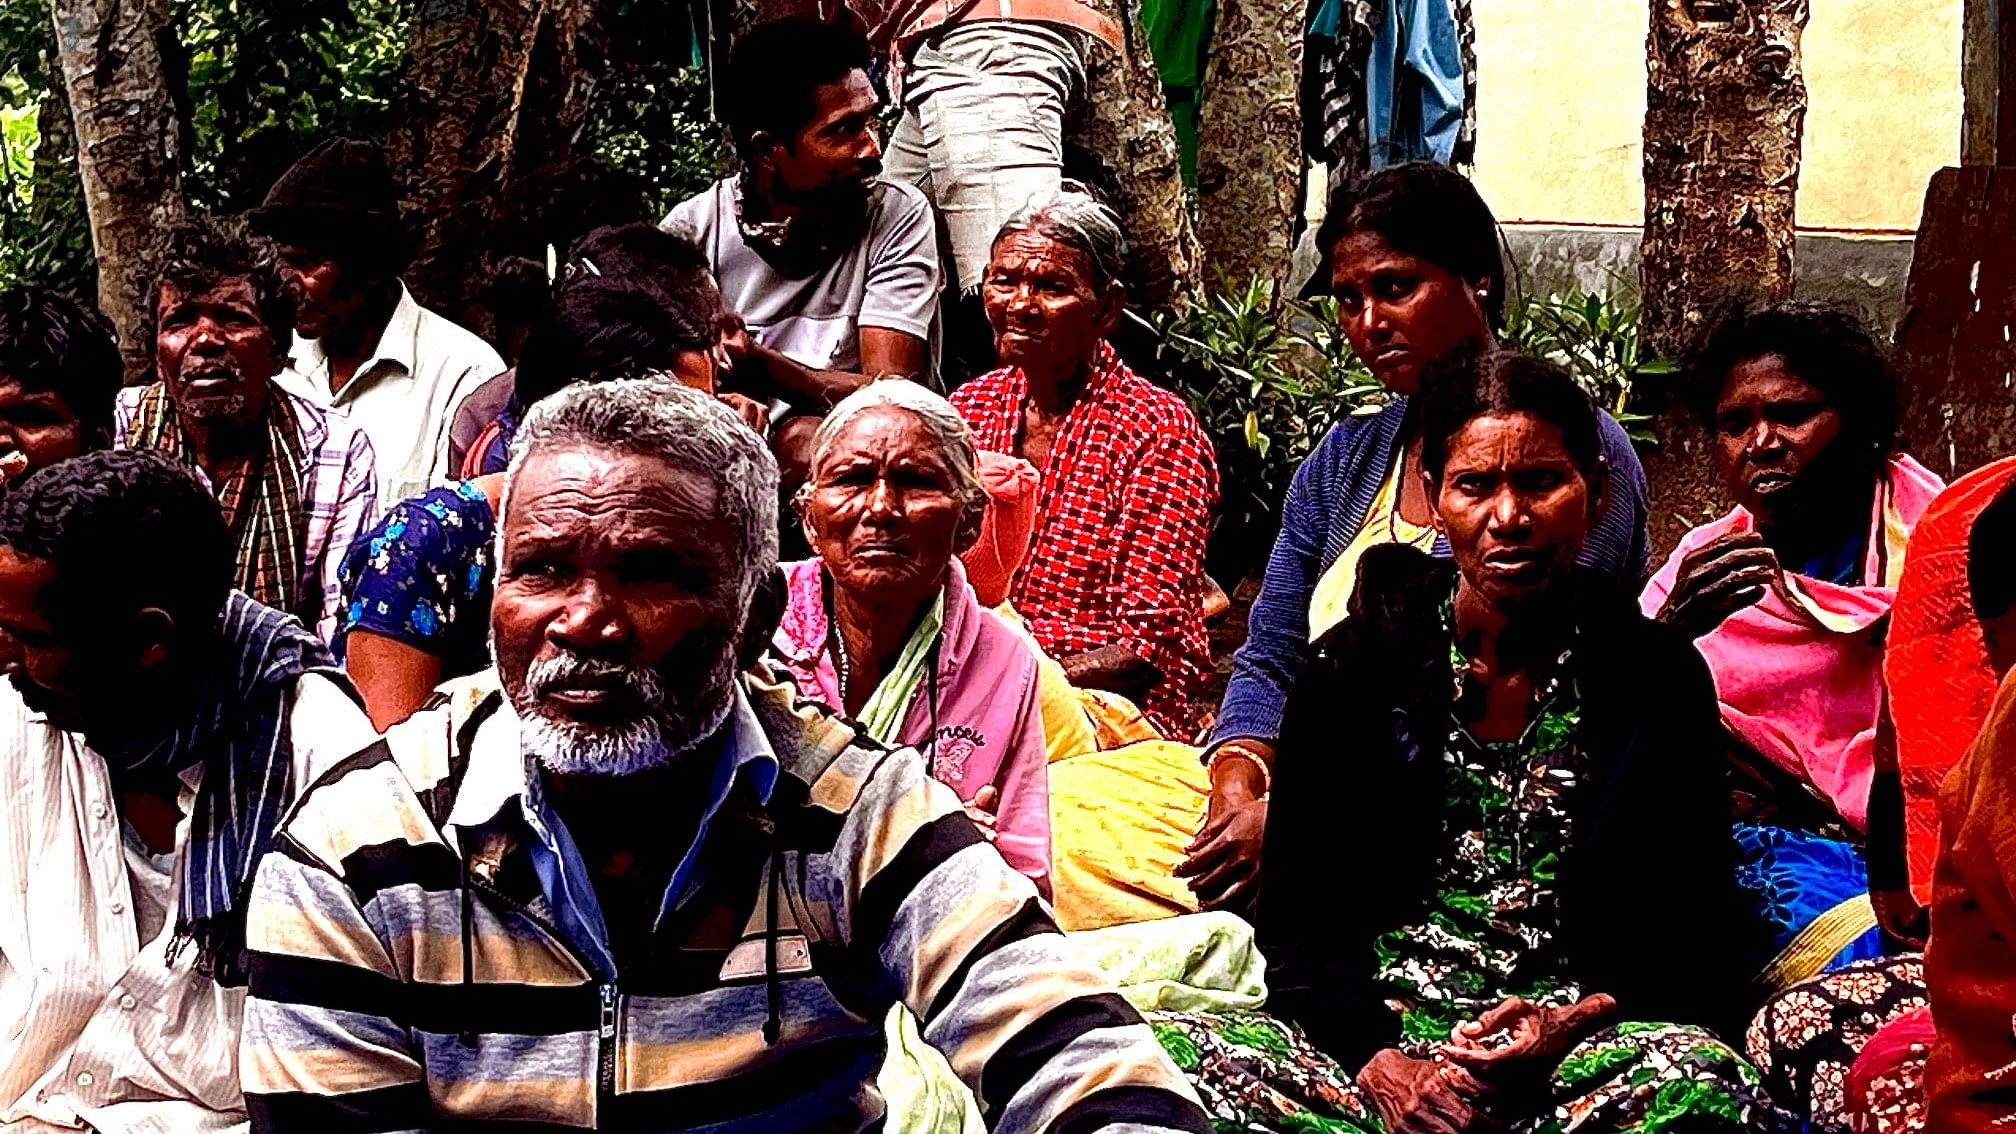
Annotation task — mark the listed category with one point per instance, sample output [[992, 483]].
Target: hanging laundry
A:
[[1466, 49], [1177, 30], [1334, 55], [1416, 85]]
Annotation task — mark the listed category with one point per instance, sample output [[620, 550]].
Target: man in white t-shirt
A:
[[834, 271], [361, 343]]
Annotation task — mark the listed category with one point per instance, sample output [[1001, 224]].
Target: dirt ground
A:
[[1227, 635]]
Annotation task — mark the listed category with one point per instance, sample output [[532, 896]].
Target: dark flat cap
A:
[[339, 190]]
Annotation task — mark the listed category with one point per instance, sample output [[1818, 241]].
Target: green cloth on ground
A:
[[1204, 962], [923, 1095], [1200, 962]]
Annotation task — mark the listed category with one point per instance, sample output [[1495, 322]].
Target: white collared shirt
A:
[[99, 1028], [405, 396]]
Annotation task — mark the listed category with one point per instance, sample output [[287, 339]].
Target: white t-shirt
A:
[[889, 280]]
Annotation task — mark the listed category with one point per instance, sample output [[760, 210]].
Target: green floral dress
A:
[[1488, 934], [1489, 929]]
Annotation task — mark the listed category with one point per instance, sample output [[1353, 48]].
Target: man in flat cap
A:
[[361, 343]]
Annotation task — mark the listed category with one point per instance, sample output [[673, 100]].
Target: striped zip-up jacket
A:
[[406, 974]]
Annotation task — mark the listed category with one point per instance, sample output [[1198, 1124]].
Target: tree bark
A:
[[1954, 354], [1124, 143], [127, 149], [1249, 146], [1725, 110], [498, 92], [1980, 64]]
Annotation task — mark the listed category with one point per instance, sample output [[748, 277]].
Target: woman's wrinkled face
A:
[[1045, 303], [1403, 314], [1513, 505], [1773, 432], [882, 508]]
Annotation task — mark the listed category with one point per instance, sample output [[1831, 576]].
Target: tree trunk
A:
[[498, 91], [1980, 64], [1725, 108], [127, 150], [1125, 139], [1249, 146], [1954, 353], [55, 152]]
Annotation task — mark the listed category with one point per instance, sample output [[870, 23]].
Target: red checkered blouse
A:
[[1121, 520]]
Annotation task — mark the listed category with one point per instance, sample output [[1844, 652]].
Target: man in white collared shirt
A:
[[362, 344], [133, 700]]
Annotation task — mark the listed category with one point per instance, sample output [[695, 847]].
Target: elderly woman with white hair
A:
[[1113, 586], [883, 625]]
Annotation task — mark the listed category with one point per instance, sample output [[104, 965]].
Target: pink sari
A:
[[1800, 672]]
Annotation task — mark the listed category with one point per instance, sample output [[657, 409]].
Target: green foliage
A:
[[260, 83], [1266, 388], [652, 117], [1595, 336], [265, 81], [44, 234]]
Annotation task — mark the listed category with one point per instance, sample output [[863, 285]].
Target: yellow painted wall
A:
[[1561, 107], [1883, 81]]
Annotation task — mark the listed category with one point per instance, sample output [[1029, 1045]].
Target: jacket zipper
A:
[[609, 994], [605, 1049]]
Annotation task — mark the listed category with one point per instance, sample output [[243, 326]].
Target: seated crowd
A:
[[481, 754]]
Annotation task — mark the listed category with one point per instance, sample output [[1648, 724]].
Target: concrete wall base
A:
[[1865, 274]]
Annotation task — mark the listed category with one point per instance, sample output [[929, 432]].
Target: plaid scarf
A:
[[261, 501], [237, 727]]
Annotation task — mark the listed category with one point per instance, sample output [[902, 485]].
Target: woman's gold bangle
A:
[[1224, 751]]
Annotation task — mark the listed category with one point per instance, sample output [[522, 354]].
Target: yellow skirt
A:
[[1121, 821]]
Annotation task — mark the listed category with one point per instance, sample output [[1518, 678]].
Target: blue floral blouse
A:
[[423, 577]]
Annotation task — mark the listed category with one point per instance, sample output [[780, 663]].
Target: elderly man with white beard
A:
[[617, 885]]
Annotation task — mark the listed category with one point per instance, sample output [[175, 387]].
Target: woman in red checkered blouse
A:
[[1114, 585]]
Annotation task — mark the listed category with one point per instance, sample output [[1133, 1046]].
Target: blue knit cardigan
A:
[[1327, 504]]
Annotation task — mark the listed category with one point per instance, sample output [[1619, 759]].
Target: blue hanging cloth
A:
[[1414, 83]]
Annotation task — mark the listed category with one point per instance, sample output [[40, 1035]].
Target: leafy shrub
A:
[[651, 116], [266, 81], [44, 234], [1595, 336], [1266, 389]]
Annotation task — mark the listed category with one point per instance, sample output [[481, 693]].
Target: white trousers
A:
[[982, 130]]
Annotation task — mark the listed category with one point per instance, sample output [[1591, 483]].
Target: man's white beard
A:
[[573, 750], [670, 727]]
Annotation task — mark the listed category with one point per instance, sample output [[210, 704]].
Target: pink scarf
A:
[[1801, 681]]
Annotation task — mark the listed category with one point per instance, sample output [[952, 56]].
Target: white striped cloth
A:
[[99, 1028]]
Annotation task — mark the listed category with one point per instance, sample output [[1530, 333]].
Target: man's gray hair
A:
[[655, 416], [948, 431], [1073, 217]]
